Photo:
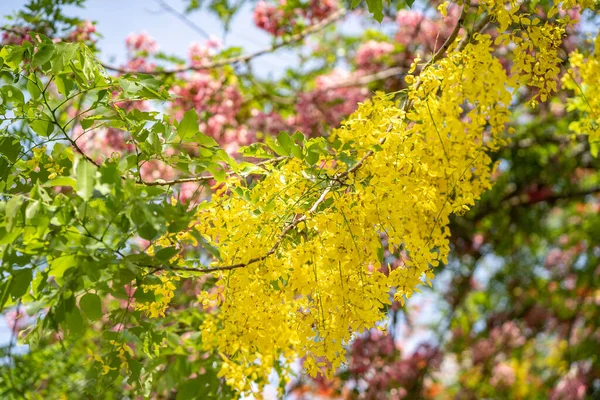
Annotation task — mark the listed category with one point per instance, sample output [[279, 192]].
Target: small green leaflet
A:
[[91, 306], [86, 179], [188, 127], [188, 130]]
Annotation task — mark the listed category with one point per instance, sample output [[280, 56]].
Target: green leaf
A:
[[594, 147], [60, 265], [91, 305], [4, 292], [10, 148], [11, 210], [32, 86], [275, 146], [20, 282], [12, 94], [190, 389], [86, 123], [86, 179], [376, 8], [166, 253], [205, 140], [288, 144], [32, 209], [74, 322], [64, 85], [43, 55], [62, 181], [42, 127], [188, 127]]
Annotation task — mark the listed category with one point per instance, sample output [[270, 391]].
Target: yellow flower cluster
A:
[[300, 268], [583, 79], [307, 241], [536, 46], [536, 60], [163, 292]]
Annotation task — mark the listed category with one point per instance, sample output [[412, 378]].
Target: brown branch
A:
[[245, 57], [480, 27], [438, 54]]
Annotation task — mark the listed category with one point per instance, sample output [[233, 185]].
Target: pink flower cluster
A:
[[139, 64], [216, 102], [329, 103], [377, 361], [17, 319], [200, 53], [16, 36], [319, 10], [270, 123], [280, 19], [416, 30], [503, 375], [370, 54], [570, 388], [270, 18], [82, 32], [502, 338], [141, 42]]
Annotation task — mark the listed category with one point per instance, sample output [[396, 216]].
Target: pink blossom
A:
[[200, 53], [415, 29], [140, 64], [503, 375], [17, 35], [509, 334], [328, 104], [569, 388], [141, 42], [154, 169], [369, 54], [409, 24], [234, 138], [17, 319], [82, 32], [217, 104], [482, 350], [188, 190], [269, 18], [319, 10]]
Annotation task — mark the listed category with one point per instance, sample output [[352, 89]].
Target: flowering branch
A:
[[338, 177]]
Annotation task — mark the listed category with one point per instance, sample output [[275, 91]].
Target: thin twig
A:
[[161, 182], [183, 18], [245, 57]]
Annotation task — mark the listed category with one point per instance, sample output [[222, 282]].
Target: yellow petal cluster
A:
[[305, 246], [583, 79], [300, 267]]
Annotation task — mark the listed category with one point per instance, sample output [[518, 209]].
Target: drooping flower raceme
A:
[[307, 288]]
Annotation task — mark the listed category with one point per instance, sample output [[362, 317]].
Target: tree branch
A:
[[245, 57], [161, 182]]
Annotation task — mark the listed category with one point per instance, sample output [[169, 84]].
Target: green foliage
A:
[[69, 224]]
